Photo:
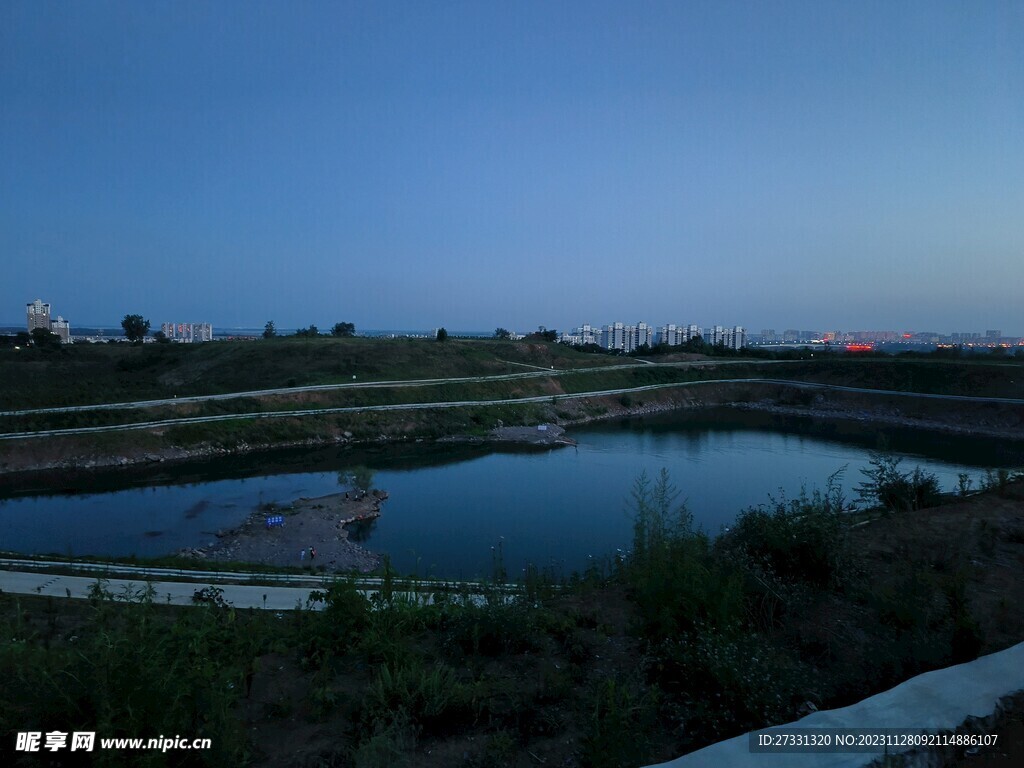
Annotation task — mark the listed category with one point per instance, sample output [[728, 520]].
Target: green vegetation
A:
[[686, 640], [44, 339], [896, 491], [101, 373], [135, 328]]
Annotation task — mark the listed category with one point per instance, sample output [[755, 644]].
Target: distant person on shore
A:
[[302, 555], [312, 554]]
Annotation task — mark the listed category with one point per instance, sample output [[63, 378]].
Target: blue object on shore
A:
[[275, 520]]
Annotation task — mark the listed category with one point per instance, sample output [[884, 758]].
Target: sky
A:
[[407, 165]]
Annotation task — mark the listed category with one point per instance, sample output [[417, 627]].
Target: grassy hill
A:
[[103, 373]]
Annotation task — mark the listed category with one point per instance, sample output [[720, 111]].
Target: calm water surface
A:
[[451, 508]]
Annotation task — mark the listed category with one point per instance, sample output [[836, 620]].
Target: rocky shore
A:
[[993, 419], [312, 534], [542, 434]]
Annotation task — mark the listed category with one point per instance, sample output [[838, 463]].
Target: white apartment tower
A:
[[671, 335], [38, 315], [614, 336], [644, 335], [62, 328]]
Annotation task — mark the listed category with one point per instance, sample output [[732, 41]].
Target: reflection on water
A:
[[449, 504]]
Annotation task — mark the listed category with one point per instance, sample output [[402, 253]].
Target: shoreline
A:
[[317, 523], [995, 420]]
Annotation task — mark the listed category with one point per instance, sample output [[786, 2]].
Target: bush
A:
[[672, 575], [499, 626], [432, 699], [342, 623], [799, 540], [724, 682], [622, 716], [894, 490]]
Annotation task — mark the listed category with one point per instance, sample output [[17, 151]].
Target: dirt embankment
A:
[[993, 419], [309, 532]]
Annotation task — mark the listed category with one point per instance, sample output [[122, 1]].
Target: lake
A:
[[452, 507]]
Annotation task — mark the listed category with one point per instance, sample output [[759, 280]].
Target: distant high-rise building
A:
[[736, 337], [671, 335], [38, 315], [581, 336], [187, 333], [614, 336], [643, 334], [62, 328]]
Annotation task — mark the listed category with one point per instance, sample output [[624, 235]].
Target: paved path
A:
[[177, 585], [322, 388], [169, 592], [394, 383], [479, 403]]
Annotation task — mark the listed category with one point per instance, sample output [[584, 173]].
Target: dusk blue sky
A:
[[812, 165]]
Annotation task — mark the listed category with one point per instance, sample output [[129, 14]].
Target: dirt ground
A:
[[309, 524], [981, 537]]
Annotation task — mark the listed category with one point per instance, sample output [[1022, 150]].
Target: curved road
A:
[[175, 586], [478, 403], [394, 383]]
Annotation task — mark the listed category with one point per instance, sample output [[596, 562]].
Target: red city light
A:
[[859, 347]]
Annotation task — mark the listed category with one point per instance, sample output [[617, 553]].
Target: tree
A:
[[502, 333], [442, 334], [544, 334], [161, 338], [343, 330], [44, 339], [269, 331], [135, 328], [310, 333]]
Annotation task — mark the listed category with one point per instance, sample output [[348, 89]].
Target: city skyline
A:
[[778, 332], [479, 165]]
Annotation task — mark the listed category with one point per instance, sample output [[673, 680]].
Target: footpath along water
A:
[[454, 511]]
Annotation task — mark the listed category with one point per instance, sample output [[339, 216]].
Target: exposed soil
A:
[[994, 419], [981, 537], [310, 525], [542, 434]]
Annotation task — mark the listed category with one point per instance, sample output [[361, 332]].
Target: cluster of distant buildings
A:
[[990, 338], [39, 316], [629, 338], [187, 333]]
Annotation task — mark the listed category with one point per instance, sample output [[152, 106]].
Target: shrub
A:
[[724, 682], [622, 716], [894, 490], [672, 575], [797, 540], [431, 699]]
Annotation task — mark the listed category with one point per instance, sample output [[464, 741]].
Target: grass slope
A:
[[102, 373]]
